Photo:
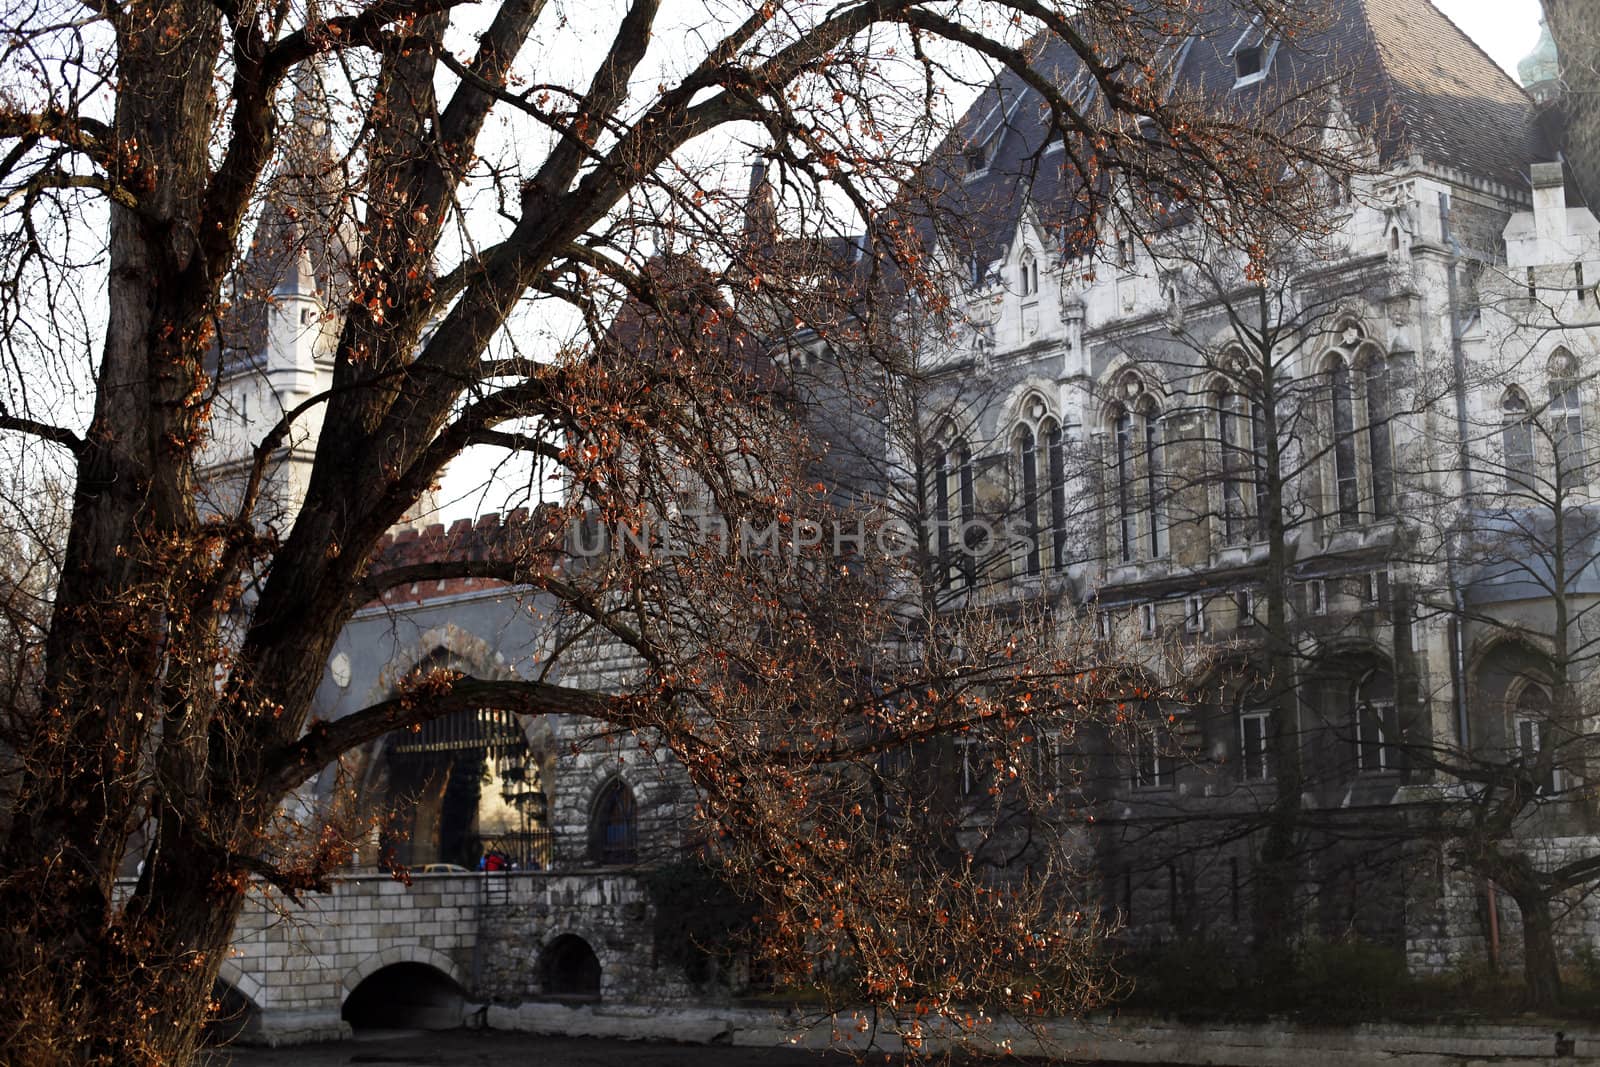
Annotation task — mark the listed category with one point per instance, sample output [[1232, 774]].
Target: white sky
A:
[[1506, 29]]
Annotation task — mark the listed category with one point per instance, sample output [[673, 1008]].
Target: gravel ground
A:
[[460, 1048]]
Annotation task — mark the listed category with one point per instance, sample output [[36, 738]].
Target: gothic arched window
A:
[[1029, 270], [1380, 459], [1566, 419], [1516, 439], [1346, 478], [955, 505], [614, 825], [1533, 736], [1138, 475], [1377, 725], [1042, 488], [1241, 437]]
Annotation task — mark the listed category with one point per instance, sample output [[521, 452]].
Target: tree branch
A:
[[434, 697], [54, 434]]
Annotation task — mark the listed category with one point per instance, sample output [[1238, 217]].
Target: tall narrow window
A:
[[1378, 443], [969, 769], [1151, 764], [1029, 271], [1534, 738], [1566, 419], [1258, 463], [1127, 516], [1377, 730], [967, 500], [943, 538], [1238, 436], [1057, 444], [613, 825], [1028, 445], [1346, 480], [1255, 753], [1155, 487], [1516, 436]]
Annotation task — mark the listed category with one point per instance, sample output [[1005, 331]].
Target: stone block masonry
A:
[[295, 967]]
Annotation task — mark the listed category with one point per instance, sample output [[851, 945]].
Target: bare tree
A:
[[185, 642], [1513, 537]]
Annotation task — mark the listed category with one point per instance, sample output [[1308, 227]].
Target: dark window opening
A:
[[1379, 449], [614, 826], [571, 969], [1347, 486], [1254, 752], [1377, 725], [1247, 61]]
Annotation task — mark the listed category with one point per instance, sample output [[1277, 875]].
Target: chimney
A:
[[1549, 201]]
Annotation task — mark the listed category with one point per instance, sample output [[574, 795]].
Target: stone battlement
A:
[[520, 535]]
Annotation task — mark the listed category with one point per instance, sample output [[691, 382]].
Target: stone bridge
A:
[[377, 953]]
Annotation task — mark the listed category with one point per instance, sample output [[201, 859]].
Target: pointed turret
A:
[[305, 239], [1540, 70]]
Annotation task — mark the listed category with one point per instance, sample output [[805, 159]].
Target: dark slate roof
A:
[[1405, 74], [1511, 555], [1454, 105], [686, 321]]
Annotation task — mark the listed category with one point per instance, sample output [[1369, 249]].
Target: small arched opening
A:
[[571, 970], [233, 1015], [404, 996]]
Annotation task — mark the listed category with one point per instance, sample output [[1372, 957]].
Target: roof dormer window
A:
[[1247, 62], [977, 159], [1252, 54]]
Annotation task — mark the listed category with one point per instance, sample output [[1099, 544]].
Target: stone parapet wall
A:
[[309, 957], [609, 909]]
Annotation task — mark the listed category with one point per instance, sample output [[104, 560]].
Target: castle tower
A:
[[1540, 70]]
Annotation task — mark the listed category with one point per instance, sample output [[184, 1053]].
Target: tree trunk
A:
[[1540, 967]]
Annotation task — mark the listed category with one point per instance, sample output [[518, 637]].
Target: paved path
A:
[[465, 1048]]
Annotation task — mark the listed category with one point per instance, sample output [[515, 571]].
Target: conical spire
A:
[[305, 238], [1540, 70]]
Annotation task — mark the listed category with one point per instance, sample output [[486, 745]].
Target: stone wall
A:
[[1448, 917], [609, 910], [297, 964]]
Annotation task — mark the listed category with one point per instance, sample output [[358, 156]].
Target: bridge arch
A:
[[404, 987], [237, 999], [247, 986], [574, 963], [402, 954]]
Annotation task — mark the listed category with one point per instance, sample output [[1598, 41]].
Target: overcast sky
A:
[[1506, 29]]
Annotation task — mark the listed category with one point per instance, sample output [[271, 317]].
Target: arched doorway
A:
[[404, 996], [464, 783], [571, 970]]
